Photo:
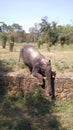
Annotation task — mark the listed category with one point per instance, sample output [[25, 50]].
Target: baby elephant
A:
[[37, 65]]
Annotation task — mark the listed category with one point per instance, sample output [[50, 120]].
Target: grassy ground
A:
[[34, 112]]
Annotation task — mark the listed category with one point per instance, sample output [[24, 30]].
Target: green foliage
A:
[[54, 38], [40, 41], [50, 32], [4, 40]]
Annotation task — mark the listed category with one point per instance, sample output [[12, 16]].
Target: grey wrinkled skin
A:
[[37, 65]]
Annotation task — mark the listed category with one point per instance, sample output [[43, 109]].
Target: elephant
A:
[[38, 65]]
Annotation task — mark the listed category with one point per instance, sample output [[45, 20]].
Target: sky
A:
[[28, 12]]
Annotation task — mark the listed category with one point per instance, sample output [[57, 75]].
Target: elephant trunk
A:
[[48, 80]]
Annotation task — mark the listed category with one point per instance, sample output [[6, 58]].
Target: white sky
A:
[[28, 12]]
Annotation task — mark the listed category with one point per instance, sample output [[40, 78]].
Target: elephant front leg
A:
[[38, 75]]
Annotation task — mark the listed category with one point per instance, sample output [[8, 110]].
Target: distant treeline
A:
[[43, 32]]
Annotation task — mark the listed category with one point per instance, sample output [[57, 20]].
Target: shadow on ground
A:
[[31, 112], [5, 67]]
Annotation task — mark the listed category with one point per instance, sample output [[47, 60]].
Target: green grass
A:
[[63, 66], [65, 111], [34, 112], [10, 65], [6, 65], [56, 47]]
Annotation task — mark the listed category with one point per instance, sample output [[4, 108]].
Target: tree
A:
[[54, 33], [48, 32], [65, 34], [0, 29], [4, 39], [16, 27], [3, 30], [34, 33], [20, 36], [18, 32], [11, 42], [45, 30]]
